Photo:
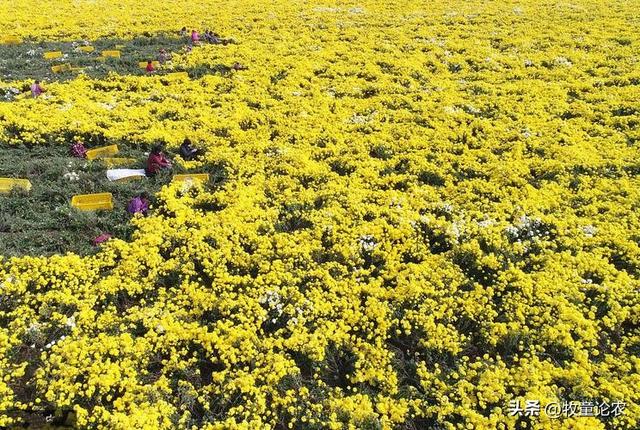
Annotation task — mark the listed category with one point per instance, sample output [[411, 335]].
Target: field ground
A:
[[25, 62], [42, 222]]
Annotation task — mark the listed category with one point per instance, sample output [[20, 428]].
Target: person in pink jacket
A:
[[195, 37], [36, 89]]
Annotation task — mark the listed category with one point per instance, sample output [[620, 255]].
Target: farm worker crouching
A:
[[187, 151], [163, 56], [195, 37], [101, 239], [78, 150], [139, 204], [36, 89], [208, 36], [150, 68], [156, 161]]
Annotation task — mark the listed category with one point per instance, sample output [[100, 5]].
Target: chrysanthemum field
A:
[[420, 216]]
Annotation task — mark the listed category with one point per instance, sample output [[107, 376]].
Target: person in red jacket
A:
[[150, 68], [157, 161]]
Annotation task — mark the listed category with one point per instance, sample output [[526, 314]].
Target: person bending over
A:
[[139, 204], [157, 161], [187, 151], [36, 89]]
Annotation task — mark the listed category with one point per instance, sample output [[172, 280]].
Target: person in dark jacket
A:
[[187, 151]]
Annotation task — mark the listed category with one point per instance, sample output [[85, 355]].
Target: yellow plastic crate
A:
[[52, 55], [103, 152], [130, 178], [177, 75], [92, 202], [7, 184], [87, 49], [111, 54], [11, 40], [61, 68], [143, 64], [119, 46], [202, 177], [115, 161]]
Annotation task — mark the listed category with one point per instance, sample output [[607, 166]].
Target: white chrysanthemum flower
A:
[[511, 231], [367, 243], [72, 176], [562, 61], [589, 230], [447, 207], [71, 321], [486, 223], [454, 231]]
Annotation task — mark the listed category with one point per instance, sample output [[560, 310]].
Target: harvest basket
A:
[[202, 177], [115, 161], [10, 40], [52, 55], [130, 178], [92, 202], [61, 68], [103, 152], [7, 184], [111, 54]]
